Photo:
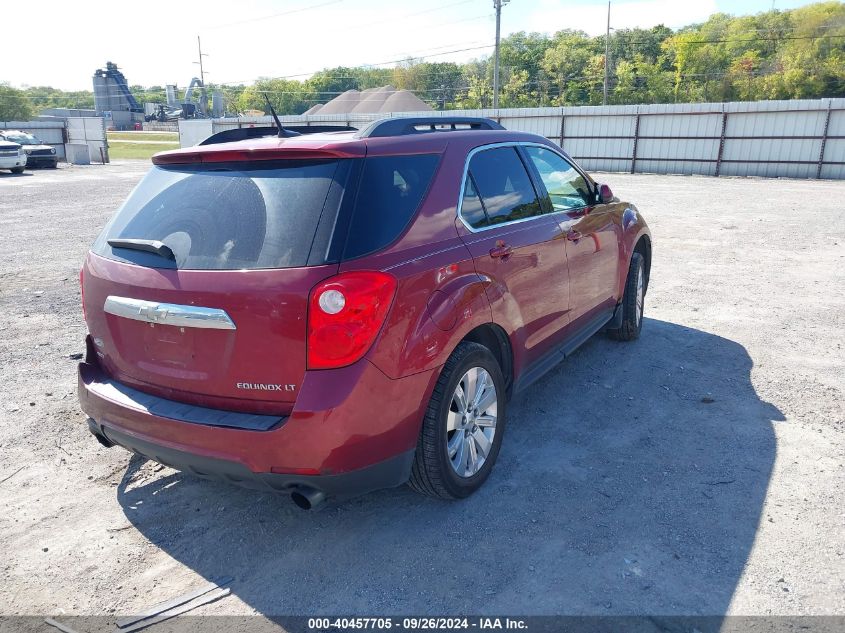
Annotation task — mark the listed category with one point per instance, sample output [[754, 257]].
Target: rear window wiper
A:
[[148, 246]]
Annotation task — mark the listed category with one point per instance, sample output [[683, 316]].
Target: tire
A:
[[17, 170], [633, 302], [436, 462]]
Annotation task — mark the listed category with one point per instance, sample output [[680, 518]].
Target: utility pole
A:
[[201, 55], [497, 4], [606, 56]]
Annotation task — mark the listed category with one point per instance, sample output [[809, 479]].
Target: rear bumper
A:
[[352, 430], [387, 474]]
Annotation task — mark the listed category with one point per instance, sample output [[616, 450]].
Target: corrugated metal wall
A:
[[796, 139], [92, 132], [49, 132]]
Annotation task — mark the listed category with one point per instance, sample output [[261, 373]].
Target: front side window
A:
[[567, 188], [503, 186], [472, 210]]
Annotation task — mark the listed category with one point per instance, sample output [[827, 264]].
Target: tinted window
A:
[[225, 218], [472, 211], [504, 185], [567, 188], [389, 192]]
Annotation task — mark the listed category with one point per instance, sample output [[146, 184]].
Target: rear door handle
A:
[[573, 235], [501, 250]]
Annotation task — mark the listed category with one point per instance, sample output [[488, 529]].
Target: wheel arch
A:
[[643, 247], [494, 338]]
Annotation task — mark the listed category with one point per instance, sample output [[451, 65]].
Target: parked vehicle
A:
[[12, 157], [335, 313], [39, 154]]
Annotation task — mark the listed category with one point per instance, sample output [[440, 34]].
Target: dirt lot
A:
[[699, 470]]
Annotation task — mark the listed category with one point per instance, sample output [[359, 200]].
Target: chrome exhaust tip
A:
[[307, 498]]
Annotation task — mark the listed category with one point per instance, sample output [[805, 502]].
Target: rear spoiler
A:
[[244, 133], [220, 154]]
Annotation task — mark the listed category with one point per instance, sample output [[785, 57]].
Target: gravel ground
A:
[[698, 470]]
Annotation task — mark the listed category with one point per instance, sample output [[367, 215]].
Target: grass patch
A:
[[142, 136], [119, 150]]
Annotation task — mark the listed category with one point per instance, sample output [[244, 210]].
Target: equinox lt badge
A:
[[260, 386]]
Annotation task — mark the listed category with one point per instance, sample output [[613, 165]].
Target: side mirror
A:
[[605, 194]]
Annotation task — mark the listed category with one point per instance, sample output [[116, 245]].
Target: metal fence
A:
[[794, 139]]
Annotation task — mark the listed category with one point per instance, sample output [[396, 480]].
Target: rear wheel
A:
[[463, 426], [632, 302]]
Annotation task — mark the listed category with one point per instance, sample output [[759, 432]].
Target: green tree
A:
[[14, 106], [516, 92], [521, 55], [327, 84], [625, 44], [478, 75], [812, 63], [436, 83], [523, 52], [287, 96], [153, 94], [41, 97], [566, 63]]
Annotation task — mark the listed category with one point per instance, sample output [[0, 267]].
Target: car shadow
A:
[[7, 174], [631, 481]]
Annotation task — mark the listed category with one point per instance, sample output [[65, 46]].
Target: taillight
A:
[[82, 290], [345, 314]]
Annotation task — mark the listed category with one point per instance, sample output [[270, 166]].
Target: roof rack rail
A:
[[401, 126], [244, 133]]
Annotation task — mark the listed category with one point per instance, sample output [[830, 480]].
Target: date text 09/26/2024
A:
[[409, 624]]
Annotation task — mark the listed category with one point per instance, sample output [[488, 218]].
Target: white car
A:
[[12, 156]]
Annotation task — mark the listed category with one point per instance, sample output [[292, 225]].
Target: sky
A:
[[156, 43]]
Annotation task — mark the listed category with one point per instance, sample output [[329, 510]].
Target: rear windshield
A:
[[281, 215], [224, 219]]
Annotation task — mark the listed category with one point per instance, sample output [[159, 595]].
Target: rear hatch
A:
[[197, 288]]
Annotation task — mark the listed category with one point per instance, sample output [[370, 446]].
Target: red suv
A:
[[328, 314]]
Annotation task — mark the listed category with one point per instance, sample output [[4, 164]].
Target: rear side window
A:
[[223, 219], [390, 190], [504, 186]]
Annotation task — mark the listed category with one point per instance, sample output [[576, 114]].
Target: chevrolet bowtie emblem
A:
[[153, 313]]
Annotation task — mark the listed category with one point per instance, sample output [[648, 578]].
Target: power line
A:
[[271, 16], [762, 39], [394, 61], [303, 74], [416, 13]]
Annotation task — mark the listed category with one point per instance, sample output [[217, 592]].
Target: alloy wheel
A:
[[640, 295], [471, 422]]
